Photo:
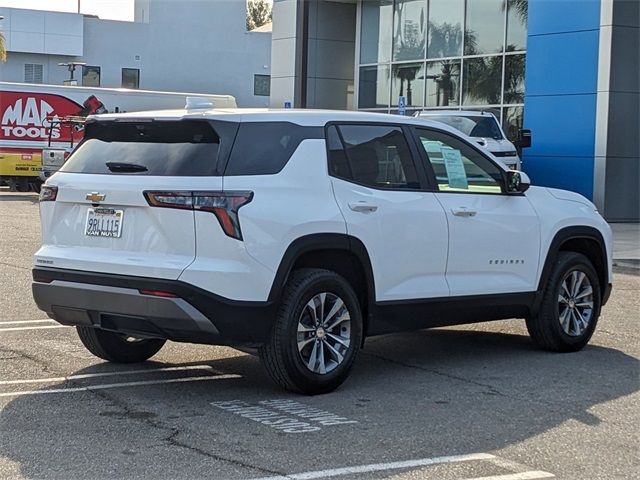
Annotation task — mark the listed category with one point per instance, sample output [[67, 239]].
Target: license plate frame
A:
[[104, 222]]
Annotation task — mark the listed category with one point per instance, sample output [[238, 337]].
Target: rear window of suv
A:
[[161, 148]]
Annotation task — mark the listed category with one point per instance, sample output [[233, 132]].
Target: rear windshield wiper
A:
[[125, 167]]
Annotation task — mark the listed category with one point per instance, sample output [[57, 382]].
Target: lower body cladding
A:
[[150, 308]]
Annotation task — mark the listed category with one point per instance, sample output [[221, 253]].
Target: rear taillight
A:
[[48, 193], [157, 293], [224, 205]]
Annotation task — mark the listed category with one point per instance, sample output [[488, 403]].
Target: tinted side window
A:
[[167, 148], [264, 148], [457, 166], [373, 155]]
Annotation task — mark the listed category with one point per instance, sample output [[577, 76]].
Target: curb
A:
[[627, 263]]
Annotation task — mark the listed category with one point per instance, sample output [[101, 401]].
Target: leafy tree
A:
[[3, 50], [258, 13], [520, 6]]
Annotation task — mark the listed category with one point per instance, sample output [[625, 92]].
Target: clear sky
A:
[[109, 9]]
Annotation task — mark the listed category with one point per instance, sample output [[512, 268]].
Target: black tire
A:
[[280, 354], [115, 347], [545, 328]]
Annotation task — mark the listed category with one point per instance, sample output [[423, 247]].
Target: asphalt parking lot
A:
[[453, 403]]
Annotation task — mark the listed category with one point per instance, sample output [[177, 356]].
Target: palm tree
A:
[[445, 39], [447, 82], [520, 6], [409, 46], [3, 50]]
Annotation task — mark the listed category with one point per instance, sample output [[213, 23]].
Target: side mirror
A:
[[516, 182], [524, 139]]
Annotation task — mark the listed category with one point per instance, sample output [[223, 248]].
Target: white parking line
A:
[[105, 374], [22, 322], [17, 329], [378, 467], [532, 475], [121, 385]]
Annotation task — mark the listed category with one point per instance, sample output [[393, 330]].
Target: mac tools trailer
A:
[[41, 124]]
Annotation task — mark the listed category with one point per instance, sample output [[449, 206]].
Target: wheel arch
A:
[[580, 239], [341, 253]]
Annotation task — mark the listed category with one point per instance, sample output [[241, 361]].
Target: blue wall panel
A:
[[562, 63], [553, 16], [564, 125], [561, 87], [568, 173]]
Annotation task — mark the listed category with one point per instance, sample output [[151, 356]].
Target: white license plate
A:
[[104, 222]]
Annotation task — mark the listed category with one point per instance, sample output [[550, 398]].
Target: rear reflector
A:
[[224, 205], [158, 293]]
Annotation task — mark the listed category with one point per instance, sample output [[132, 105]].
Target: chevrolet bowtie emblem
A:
[[95, 197]]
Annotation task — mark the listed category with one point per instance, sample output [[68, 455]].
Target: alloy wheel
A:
[[575, 303], [324, 333]]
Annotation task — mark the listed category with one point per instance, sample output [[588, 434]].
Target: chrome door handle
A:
[[363, 207], [463, 212]]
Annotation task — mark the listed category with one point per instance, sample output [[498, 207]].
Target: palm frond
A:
[[3, 50]]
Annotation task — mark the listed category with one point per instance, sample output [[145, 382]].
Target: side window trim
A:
[[429, 168], [423, 178]]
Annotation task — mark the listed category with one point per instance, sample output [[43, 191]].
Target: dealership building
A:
[[566, 69], [172, 45]]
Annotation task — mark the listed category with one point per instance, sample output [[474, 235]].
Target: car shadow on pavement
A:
[[427, 393]]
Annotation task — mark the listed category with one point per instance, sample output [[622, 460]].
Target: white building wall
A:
[[33, 31], [198, 46], [13, 69]]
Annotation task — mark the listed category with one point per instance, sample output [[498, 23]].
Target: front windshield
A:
[[473, 126]]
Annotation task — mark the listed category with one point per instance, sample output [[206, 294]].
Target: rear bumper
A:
[[114, 302]]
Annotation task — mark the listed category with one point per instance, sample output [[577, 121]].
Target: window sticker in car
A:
[[431, 147], [455, 168]]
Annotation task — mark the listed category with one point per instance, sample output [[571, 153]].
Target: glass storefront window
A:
[[409, 29], [517, 15], [445, 28], [512, 122], [460, 54], [408, 80], [484, 31], [482, 81], [443, 83], [375, 31], [514, 79], [373, 88]]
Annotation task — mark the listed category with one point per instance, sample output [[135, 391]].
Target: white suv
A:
[[483, 127], [300, 233]]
